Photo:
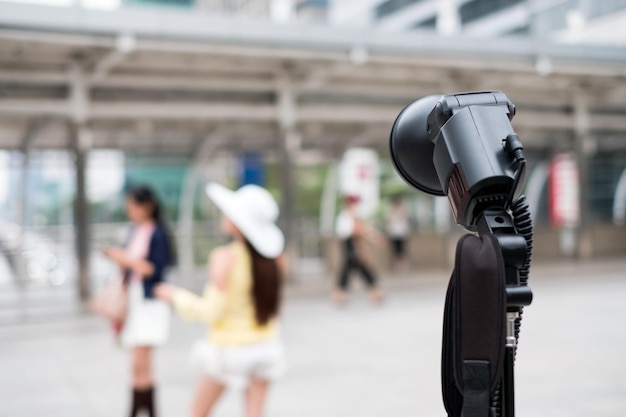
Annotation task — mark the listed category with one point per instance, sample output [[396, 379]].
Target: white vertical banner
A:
[[359, 176], [105, 174]]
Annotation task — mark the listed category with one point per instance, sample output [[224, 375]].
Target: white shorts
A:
[[147, 321], [234, 366]]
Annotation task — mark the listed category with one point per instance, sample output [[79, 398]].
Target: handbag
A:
[[111, 302]]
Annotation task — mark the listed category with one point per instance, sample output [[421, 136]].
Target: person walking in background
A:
[[240, 303], [398, 230], [143, 263], [355, 233]]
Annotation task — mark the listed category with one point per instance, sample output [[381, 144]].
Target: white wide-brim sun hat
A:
[[254, 211]]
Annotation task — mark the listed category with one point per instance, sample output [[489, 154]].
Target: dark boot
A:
[[143, 399], [150, 407]]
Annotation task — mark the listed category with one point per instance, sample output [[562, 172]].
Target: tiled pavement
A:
[[356, 361]]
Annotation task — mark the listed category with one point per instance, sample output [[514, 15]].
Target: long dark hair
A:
[[266, 286], [145, 195]]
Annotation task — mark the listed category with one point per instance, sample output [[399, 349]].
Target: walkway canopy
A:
[[183, 82], [161, 80]]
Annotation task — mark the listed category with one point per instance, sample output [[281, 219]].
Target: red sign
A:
[[563, 191]]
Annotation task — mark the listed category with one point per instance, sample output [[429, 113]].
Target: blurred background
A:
[[299, 96]]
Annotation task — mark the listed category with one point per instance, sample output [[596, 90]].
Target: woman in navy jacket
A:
[[143, 262]]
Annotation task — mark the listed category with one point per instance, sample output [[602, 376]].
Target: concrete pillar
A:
[[22, 212], [80, 139], [288, 150], [28, 140], [186, 261], [289, 145], [82, 225], [205, 150], [584, 147]]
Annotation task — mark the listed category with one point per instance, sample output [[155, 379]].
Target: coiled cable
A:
[[523, 222]]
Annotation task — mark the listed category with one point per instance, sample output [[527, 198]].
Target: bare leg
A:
[[143, 390], [142, 367], [255, 397], [207, 395]]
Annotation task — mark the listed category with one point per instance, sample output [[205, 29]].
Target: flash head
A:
[[460, 145], [412, 150]]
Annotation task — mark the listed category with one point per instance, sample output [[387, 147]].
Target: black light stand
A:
[[463, 146], [514, 247]]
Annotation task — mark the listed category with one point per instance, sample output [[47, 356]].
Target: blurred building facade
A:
[[579, 21], [564, 20]]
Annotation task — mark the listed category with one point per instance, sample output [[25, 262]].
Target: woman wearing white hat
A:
[[240, 303]]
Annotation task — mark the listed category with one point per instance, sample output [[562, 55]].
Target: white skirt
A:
[[147, 321], [234, 366]]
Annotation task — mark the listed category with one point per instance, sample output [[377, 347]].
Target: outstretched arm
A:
[[209, 306], [206, 308]]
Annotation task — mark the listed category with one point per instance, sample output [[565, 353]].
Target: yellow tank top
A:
[[237, 324], [230, 312]]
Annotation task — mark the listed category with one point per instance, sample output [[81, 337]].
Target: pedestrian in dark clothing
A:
[[355, 233]]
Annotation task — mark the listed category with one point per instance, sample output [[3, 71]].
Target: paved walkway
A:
[[357, 361]]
